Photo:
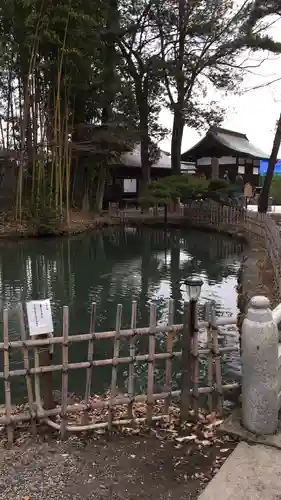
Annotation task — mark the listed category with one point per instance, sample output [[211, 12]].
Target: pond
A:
[[116, 266]]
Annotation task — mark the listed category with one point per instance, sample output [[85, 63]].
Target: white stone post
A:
[[259, 368]]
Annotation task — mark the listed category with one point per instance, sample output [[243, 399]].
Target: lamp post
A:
[[190, 326], [193, 287]]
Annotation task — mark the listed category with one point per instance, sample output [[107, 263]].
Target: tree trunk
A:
[[145, 166], [142, 101], [178, 125], [100, 189], [263, 199], [110, 86]]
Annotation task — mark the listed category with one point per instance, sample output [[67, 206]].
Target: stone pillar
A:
[[259, 368]]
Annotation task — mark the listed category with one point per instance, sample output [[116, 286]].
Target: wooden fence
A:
[[113, 409], [128, 408]]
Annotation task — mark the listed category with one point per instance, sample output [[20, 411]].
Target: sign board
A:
[[248, 190], [130, 185], [39, 316]]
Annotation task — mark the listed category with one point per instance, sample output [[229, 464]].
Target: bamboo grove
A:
[[81, 82]]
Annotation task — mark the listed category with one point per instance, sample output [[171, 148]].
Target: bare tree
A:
[[264, 196]]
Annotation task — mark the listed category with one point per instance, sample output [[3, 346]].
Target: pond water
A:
[[116, 266]]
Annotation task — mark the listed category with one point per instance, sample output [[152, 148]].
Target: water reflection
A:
[[117, 266]]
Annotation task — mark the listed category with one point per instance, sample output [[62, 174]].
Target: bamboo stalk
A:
[[210, 354], [64, 390], [150, 372], [104, 425], [27, 369], [36, 375], [90, 360], [7, 385], [217, 361], [131, 381], [116, 348], [169, 361]]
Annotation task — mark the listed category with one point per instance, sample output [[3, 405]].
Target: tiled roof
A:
[[224, 141]]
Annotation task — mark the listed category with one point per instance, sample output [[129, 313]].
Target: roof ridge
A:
[[218, 130]]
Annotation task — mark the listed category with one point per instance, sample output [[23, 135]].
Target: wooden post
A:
[[46, 379], [131, 379], [217, 360], [195, 356], [116, 349], [186, 380], [169, 363], [7, 383], [151, 363], [28, 378], [208, 309], [85, 417], [64, 387], [165, 214]]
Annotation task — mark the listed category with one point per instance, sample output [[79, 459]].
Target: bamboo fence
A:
[[261, 227], [85, 410]]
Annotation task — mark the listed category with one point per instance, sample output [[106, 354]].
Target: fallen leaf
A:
[[215, 423], [186, 438]]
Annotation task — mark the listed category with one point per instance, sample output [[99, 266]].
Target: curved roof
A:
[[220, 142]]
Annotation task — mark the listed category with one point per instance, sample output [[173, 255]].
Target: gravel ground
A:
[[127, 467]]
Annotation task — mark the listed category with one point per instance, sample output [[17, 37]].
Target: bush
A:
[[218, 185], [169, 189]]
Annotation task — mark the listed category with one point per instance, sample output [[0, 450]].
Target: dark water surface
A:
[[113, 266]]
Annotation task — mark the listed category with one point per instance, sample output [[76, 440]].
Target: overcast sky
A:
[[254, 113]]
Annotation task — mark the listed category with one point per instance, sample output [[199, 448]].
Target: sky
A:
[[253, 113]]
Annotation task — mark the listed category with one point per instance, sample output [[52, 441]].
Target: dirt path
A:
[[132, 467]]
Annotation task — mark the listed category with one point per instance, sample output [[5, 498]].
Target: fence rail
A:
[[253, 225]]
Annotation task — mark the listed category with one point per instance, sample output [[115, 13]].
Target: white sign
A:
[[39, 316], [130, 185]]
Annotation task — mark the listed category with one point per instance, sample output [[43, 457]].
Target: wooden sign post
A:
[[40, 322]]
